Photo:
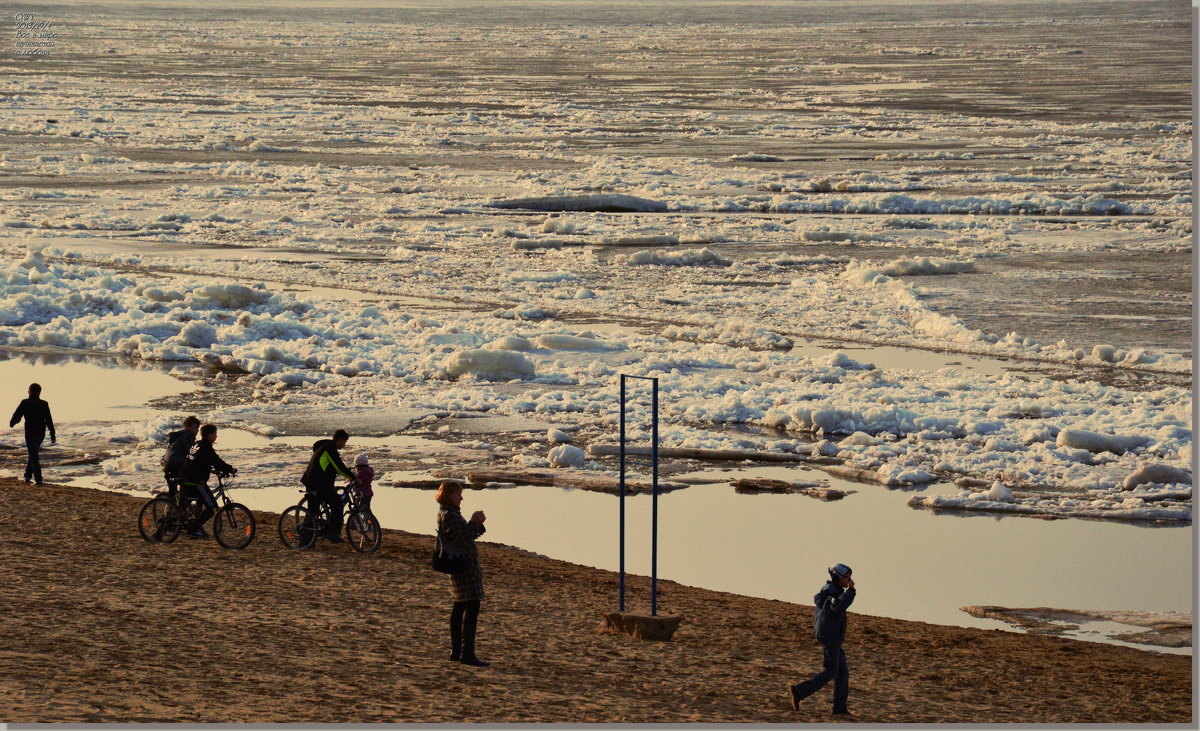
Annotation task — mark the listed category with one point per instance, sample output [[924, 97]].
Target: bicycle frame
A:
[[220, 498]]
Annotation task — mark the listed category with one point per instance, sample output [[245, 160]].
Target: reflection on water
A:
[[91, 388], [908, 563]]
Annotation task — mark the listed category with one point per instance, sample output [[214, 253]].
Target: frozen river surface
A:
[[944, 242]]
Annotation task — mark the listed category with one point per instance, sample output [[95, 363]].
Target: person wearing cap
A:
[[365, 474], [829, 621]]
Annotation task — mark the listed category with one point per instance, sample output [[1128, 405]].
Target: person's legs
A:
[[330, 497], [829, 671], [206, 503], [456, 630], [470, 621], [841, 684], [208, 506], [33, 466], [189, 493]]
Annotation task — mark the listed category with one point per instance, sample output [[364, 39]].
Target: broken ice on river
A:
[[420, 211]]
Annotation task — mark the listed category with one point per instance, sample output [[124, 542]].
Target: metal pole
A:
[[621, 548], [654, 496]]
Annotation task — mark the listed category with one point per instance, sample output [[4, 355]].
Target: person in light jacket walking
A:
[[829, 621], [38, 421], [467, 585]]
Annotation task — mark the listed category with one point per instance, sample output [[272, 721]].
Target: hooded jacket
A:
[[829, 620], [202, 460], [324, 467], [179, 443]]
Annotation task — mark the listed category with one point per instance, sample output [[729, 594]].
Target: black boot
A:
[[456, 617], [470, 619]]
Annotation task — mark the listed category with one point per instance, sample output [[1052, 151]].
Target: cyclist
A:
[[201, 461], [319, 477], [178, 445]]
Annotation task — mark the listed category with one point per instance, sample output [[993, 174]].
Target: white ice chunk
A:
[[999, 493], [492, 364], [510, 342], [689, 257], [602, 202], [1157, 473], [565, 455], [1096, 442], [569, 342], [924, 265]]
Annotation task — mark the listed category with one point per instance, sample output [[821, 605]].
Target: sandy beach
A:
[[100, 626]]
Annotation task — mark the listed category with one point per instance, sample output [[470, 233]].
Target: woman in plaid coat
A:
[[467, 585]]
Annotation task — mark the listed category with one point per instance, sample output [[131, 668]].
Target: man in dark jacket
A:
[[36, 414], [829, 621], [202, 460], [179, 443], [319, 477]]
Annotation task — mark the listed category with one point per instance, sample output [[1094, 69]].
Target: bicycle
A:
[[162, 518], [299, 528]]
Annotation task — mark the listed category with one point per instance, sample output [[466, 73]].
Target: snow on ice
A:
[[304, 256]]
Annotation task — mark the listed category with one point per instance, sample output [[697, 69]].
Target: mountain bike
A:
[[300, 528], [163, 518]]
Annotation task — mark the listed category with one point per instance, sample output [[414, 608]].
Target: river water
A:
[[909, 564]]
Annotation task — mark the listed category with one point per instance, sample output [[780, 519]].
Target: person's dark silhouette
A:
[[38, 421]]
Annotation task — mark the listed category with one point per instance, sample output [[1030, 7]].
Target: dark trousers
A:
[[835, 669], [329, 496], [33, 466], [463, 620], [204, 498], [172, 482]]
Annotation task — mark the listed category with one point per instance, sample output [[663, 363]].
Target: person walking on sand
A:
[[829, 620], [179, 443], [466, 585], [319, 477], [38, 421]]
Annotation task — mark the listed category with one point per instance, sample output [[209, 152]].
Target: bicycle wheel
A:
[[159, 521], [363, 532], [296, 528], [233, 526]]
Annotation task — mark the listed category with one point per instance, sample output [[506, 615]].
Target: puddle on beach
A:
[[92, 388]]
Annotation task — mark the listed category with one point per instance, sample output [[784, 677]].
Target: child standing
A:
[[829, 621], [365, 474]]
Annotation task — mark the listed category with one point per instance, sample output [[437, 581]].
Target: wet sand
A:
[[100, 626]]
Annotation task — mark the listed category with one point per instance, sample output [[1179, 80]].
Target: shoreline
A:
[[100, 631]]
